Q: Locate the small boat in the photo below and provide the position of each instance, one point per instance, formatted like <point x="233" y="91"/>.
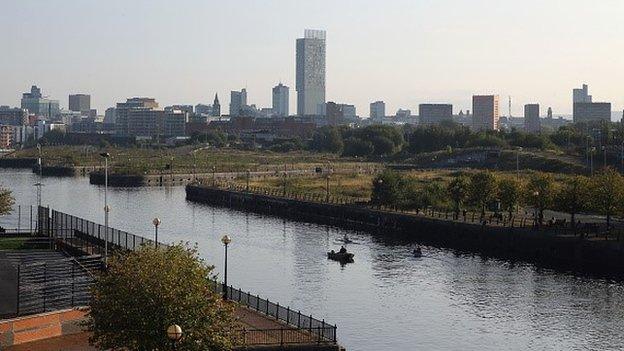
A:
<point x="417" y="252"/>
<point x="346" y="257"/>
<point x="346" y="240"/>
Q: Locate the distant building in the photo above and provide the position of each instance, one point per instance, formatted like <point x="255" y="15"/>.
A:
<point x="80" y="103"/>
<point x="13" y="116"/>
<point x="202" y="109"/>
<point x="216" y="107"/>
<point x="38" y="105"/>
<point x="549" y="114"/>
<point x="532" y="118"/>
<point x="591" y="111"/>
<point x="581" y="95"/>
<point x="348" y="111"/>
<point x="122" y="109"/>
<point x="109" y="116"/>
<point x="184" y="108"/>
<point x="6" y="137"/>
<point x="435" y="113"/>
<point x="377" y="111"/>
<point x="485" y="113"/>
<point x="403" y="114"/>
<point x="238" y="101"/>
<point x="310" y="72"/>
<point x="333" y="113"/>
<point x="280" y="100"/>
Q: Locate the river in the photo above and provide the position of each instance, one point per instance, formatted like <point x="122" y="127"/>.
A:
<point x="387" y="299"/>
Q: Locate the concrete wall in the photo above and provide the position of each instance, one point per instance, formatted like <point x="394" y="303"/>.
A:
<point x="511" y="243"/>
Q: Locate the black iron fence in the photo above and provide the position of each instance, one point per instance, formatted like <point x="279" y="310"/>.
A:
<point x="21" y="220"/>
<point x="283" y="336"/>
<point x="318" y="330"/>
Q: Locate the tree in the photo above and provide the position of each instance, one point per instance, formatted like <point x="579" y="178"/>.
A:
<point x="482" y="190"/>
<point x="145" y="291"/>
<point x="327" y="139"/>
<point x="540" y="193"/>
<point x="6" y="201"/>
<point x="388" y="189"/>
<point x="607" y="193"/>
<point x="509" y="194"/>
<point x="357" y="147"/>
<point x="457" y="190"/>
<point x="573" y="196"/>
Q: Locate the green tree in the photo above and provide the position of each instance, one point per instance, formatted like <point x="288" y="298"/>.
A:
<point x="145" y="291"/>
<point x="388" y="189"/>
<point x="540" y="192"/>
<point x="607" y="193"/>
<point x="483" y="190"/>
<point x="6" y="201"/>
<point x="327" y="139"/>
<point x="457" y="190"/>
<point x="573" y="197"/>
<point x="357" y="147"/>
<point x="509" y="194"/>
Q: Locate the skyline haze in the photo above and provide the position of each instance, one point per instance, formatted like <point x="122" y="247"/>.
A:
<point x="402" y="52"/>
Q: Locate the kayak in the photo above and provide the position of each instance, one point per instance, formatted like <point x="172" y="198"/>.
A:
<point x="340" y="257"/>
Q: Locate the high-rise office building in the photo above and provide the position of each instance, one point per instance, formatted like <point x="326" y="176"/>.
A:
<point x="485" y="114"/>
<point x="280" y="100"/>
<point x="348" y="111"/>
<point x="216" y="106"/>
<point x="532" y="118"/>
<point x="38" y="105"/>
<point x="377" y="111"/>
<point x="122" y="108"/>
<point x="581" y="95"/>
<point x="238" y="102"/>
<point x="591" y="111"/>
<point x="109" y="116"/>
<point x="435" y="113"/>
<point x="310" y="74"/>
<point x="13" y="116"/>
<point x="80" y="103"/>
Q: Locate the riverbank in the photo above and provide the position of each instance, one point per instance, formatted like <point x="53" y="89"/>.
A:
<point x="543" y="247"/>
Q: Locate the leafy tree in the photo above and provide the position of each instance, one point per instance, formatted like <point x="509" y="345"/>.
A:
<point x="509" y="194"/>
<point x="357" y="147"/>
<point x="540" y="193"/>
<point x="432" y="194"/>
<point x="6" y="201"/>
<point x="573" y="197"/>
<point x="482" y="190"/>
<point x="457" y="190"/>
<point x="607" y="193"/>
<point x="145" y="291"/>
<point x="327" y="139"/>
<point x="388" y="189"/>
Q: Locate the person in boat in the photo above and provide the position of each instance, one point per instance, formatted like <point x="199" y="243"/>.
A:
<point x="343" y="250"/>
<point x="417" y="251"/>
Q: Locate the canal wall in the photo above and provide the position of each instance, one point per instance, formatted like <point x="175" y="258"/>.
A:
<point x="17" y="162"/>
<point x="544" y="248"/>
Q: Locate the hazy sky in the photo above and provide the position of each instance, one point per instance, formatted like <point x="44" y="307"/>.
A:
<point x="404" y="52"/>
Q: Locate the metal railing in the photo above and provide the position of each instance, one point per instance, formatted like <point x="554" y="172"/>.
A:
<point x="321" y="331"/>
<point x="21" y="220"/>
<point x="283" y="336"/>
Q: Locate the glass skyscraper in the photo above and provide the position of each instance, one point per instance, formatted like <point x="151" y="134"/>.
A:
<point x="310" y="83"/>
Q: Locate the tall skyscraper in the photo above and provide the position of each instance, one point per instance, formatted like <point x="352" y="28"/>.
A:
<point x="80" y="103"/>
<point x="310" y="80"/>
<point x="485" y="113"/>
<point x="531" y="118"/>
<point x="216" y="106"/>
<point x="280" y="100"/>
<point x="377" y="111"/>
<point x="581" y="95"/>
<point x="38" y="105"/>
<point x="238" y="101"/>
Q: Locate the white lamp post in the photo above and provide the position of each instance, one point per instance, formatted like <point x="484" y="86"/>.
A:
<point x="226" y="241"/>
<point x="174" y="333"/>
<point x="156" y="223"/>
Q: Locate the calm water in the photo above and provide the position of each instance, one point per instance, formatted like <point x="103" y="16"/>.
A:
<point x="386" y="300"/>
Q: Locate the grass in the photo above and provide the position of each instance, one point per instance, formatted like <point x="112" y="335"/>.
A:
<point x="13" y="243"/>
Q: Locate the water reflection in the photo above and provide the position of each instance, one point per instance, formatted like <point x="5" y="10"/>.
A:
<point x="387" y="299"/>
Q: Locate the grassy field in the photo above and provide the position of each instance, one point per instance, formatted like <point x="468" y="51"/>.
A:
<point x="185" y="159"/>
<point x="12" y="243"/>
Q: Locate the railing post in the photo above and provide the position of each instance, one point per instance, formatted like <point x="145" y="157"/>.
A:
<point x="298" y="319"/>
<point x="72" y="284"/>
<point x="267" y="308"/>
<point x="277" y="311"/>
<point x="318" y="331"/>
<point x="335" y="332"/>
<point x="258" y="303"/>
<point x="288" y="315"/>
<point x="17" y="307"/>
<point x="281" y="336"/>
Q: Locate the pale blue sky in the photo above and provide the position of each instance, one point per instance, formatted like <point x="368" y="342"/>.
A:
<point x="404" y="52"/>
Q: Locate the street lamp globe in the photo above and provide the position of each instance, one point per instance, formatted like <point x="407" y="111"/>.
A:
<point x="107" y="208"/>
<point x="226" y="240"/>
<point x="174" y="332"/>
<point x="156" y="222"/>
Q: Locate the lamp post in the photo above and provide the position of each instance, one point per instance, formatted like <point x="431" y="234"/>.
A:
<point x="226" y="241"/>
<point x="156" y="223"/>
<point x="40" y="183"/>
<point x="518" y="163"/>
<point x="591" y="159"/>
<point x="106" y="155"/>
<point x="174" y="333"/>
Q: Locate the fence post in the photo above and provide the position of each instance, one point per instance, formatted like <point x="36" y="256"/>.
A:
<point x="267" y="308"/>
<point x="258" y="303"/>
<point x="288" y="315"/>
<point x="281" y="336"/>
<point x="17" y="308"/>
<point x="298" y="319"/>
<point x="277" y="311"/>
<point x="72" y="285"/>
<point x="318" y="331"/>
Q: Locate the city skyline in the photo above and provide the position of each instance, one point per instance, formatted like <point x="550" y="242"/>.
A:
<point x="418" y="61"/>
